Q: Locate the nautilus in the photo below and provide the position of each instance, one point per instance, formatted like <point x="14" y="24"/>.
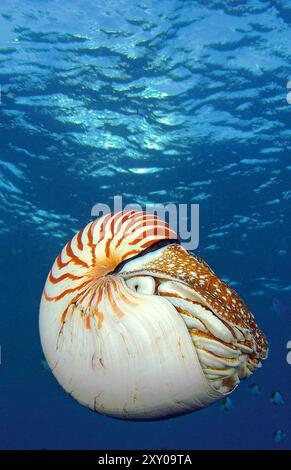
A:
<point x="135" y="327"/>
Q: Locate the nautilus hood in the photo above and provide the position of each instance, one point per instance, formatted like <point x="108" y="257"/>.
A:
<point x="135" y="327"/>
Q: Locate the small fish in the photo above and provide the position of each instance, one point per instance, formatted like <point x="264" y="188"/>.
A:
<point x="277" y="398"/>
<point x="255" y="389"/>
<point x="43" y="364"/>
<point x="279" y="435"/>
<point x="227" y="404"/>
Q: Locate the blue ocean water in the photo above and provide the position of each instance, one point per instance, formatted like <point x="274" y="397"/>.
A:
<point x="171" y="101"/>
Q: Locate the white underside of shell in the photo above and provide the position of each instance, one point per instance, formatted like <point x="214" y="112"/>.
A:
<point x="141" y="364"/>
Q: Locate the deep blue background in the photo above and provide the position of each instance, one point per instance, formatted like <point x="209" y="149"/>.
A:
<point x="160" y="101"/>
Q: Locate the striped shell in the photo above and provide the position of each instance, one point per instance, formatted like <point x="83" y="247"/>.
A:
<point x="134" y="326"/>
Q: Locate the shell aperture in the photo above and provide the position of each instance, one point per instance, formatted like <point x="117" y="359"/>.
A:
<point x="135" y="327"/>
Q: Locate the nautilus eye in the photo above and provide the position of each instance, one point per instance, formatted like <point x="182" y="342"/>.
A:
<point x="142" y="284"/>
<point x="135" y="327"/>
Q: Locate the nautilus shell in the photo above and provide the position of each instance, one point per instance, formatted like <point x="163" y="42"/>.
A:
<point x="135" y="327"/>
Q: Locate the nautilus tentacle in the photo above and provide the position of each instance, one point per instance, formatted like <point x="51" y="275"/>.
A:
<point x="135" y="327"/>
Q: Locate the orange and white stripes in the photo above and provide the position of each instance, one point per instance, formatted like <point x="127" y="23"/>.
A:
<point x="78" y="273"/>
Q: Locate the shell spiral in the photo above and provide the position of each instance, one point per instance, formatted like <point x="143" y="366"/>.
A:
<point x="134" y="326"/>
